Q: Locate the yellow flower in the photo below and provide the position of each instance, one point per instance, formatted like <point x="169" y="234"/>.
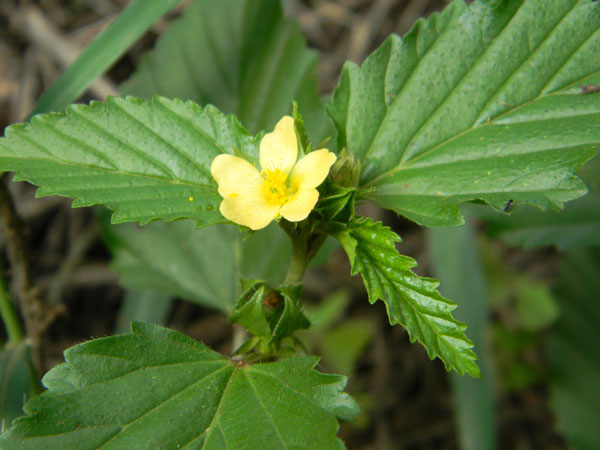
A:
<point x="283" y="187"/>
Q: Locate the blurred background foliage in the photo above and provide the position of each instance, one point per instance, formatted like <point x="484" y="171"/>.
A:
<point x="526" y="283"/>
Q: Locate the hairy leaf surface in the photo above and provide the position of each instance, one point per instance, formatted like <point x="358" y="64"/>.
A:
<point x="240" y="55"/>
<point x="410" y="300"/>
<point x="493" y="101"/>
<point x="158" y="388"/>
<point x="143" y="159"/>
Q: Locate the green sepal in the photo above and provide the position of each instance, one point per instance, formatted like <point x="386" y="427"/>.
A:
<point x="272" y="314"/>
<point x="303" y="140"/>
<point x="346" y="169"/>
<point x="336" y="203"/>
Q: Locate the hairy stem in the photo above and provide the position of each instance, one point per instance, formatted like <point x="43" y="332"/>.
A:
<point x="305" y="246"/>
<point x="299" y="261"/>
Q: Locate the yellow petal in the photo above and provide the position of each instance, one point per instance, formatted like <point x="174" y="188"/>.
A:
<point x="250" y="210"/>
<point x="300" y="205"/>
<point x="279" y="149"/>
<point x="234" y="175"/>
<point x="312" y="169"/>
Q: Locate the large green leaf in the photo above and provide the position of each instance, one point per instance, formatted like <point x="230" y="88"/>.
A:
<point x="410" y="300"/>
<point x="240" y="55"/>
<point x="479" y="102"/>
<point x="156" y="388"/>
<point x="179" y="260"/>
<point x="144" y="159"/>
<point x="578" y="225"/>
<point x="187" y="266"/>
<point x="573" y="351"/>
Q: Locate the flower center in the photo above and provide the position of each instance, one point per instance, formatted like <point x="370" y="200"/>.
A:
<point x="275" y="188"/>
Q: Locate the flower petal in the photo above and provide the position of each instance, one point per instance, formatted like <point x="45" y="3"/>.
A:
<point x="251" y="210"/>
<point x="312" y="169"/>
<point x="300" y="205"/>
<point x="279" y="149"/>
<point x="235" y="176"/>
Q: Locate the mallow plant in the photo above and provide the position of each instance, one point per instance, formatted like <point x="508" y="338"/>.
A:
<point x="223" y="150"/>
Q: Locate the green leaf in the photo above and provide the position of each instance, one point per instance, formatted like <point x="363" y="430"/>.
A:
<point x="478" y="102"/>
<point x="16" y="382"/>
<point x="186" y="267"/>
<point x="410" y="300"/>
<point x="143" y="159"/>
<point x="265" y="254"/>
<point x="179" y="260"/>
<point x="240" y="55"/>
<point x="158" y="388"/>
<point x="578" y="225"/>
<point x="103" y="51"/>
<point x="573" y="351"/>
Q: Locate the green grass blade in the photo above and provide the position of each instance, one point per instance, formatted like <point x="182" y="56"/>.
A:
<point x="102" y="52"/>
<point x="456" y="265"/>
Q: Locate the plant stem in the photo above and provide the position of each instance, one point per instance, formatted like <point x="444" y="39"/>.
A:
<point x="9" y="314"/>
<point x="305" y="246"/>
<point x="30" y="305"/>
<point x="299" y="260"/>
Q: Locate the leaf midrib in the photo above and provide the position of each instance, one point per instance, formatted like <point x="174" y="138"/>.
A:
<point x="112" y="172"/>
<point x="404" y="164"/>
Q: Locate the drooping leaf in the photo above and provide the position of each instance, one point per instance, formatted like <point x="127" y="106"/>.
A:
<point x="572" y="351"/>
<point x="158" y="388"/>
<point x="478" y="102"/>
<point x="200" y="265"/>
<point x="143" y="159"/>
<point x="240" y="55"/>
<point x="578" y="225"/>
<point x="410" y="300"/>
<point x="177" y="259"/>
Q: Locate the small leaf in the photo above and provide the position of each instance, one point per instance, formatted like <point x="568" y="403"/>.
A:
<point x="477" y="102"/>
<point x="242" y="56"/>
<point x="144" y="159"/>
<point x="410" y="300"/>
<point x="158" y="388"/>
